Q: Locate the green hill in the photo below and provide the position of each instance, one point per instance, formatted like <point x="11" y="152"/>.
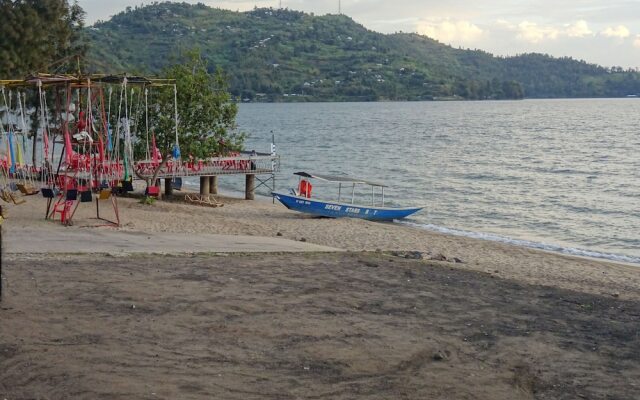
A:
<point x="275" y="55"/>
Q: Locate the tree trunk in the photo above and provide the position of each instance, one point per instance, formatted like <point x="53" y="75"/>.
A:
<point x="154" y="180"/>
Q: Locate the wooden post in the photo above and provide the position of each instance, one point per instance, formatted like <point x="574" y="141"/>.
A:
<point x="204" y="185"/>
<point x="168" y="186"/>
<point x="213" y="184"/>
<point x="249" y="191"/>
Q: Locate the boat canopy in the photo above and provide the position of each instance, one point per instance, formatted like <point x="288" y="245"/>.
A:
<point x="338" y="179"/>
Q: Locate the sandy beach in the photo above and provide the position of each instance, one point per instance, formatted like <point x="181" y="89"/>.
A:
<point x="151" y="155"/>
<point x="262" y="218"/>
<point x="501" y="322"/>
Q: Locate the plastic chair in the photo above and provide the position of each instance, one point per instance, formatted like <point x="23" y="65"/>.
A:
<point x="64" y="209"/>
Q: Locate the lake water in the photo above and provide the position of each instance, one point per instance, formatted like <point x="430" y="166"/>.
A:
<point x="561" y="175"/>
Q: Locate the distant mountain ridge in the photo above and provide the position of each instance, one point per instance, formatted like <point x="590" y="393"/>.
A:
<point x="279" y="54"/>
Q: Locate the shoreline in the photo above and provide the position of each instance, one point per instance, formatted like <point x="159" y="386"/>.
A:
<point x="261" y="218"/>
<point x="434" y="100"/>
<point x="549" y="247"/>
<point x="530" y="244"/>
<point x="578" y="252"/>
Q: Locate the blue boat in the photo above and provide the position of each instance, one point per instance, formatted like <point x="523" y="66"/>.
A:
<point x="300" y="200"/>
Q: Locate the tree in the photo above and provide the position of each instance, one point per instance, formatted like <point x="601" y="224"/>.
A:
<point x="36" y="33"/>
<point x="512" y="90"/>
<point x="206" y="115"/>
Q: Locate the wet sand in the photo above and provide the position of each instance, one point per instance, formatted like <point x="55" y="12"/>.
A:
<point x="293" y="326"/>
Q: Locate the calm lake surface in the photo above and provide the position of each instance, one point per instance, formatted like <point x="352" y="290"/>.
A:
<point x="561" y="175"/>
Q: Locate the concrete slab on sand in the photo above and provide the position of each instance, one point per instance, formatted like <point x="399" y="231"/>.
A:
<point x="93" y="240"/>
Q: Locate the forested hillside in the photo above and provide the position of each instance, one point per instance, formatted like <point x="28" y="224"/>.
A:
<point x="275" y="55"/>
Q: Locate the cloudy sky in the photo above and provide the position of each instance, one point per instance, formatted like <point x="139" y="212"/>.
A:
<point x="605" y="32"/>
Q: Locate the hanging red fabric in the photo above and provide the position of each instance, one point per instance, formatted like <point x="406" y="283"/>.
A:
<point x="67" y="135"/>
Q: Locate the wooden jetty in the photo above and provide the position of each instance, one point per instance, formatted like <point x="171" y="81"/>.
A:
<point x="260" y="167"/>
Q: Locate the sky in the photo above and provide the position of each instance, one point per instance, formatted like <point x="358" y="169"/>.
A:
<point x="605" y="32"/>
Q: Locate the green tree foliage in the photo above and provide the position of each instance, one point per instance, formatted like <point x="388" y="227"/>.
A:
<point x="284" y="55"/>
<point x="206" y="115"/>
<point x="35" y="34"/>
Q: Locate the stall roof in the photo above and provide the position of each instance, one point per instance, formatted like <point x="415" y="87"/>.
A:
<point x="64" y="79"/>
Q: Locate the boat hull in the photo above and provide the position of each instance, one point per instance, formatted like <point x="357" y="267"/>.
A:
<point x="342" y="210"/>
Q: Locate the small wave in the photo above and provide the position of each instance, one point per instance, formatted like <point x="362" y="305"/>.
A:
<point x="527" y="243"/>
<point x="562" y="171"/>
<point x="488" y="177"/>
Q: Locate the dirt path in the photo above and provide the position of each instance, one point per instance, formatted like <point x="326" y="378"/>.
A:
<point x="312" y="326"/>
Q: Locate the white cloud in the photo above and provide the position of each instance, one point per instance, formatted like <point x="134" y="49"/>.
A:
<point x="578" y="29"/>
<point x="619" y="32"/>
<point x="636" y="42"/>
<point x="448" y="31"/>
<point x="502" y="23"/>
<point x="532" y="32"/>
